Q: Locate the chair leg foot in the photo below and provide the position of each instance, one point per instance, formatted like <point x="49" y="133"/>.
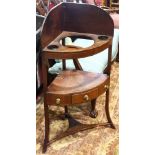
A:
<point x="93" y="112"/>
<point x="112" y="126"/>
<point x="44" y="146"/>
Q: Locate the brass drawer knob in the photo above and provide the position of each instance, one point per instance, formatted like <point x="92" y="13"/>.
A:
<point x="58" y="101"/>
<point x="86" y="98"/>
<point x="106" y="86"/>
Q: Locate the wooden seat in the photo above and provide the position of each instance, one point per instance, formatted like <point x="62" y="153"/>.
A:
<point x="74" y="87"/>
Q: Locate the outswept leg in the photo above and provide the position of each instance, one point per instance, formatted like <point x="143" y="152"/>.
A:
<point x="107" y="109"/>
<point x="47" y="127"/>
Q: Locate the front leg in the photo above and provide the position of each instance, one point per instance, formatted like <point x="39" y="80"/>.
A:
<point x="47" y="126"/>
<point x="93" y="112"/>
<point x="107" y="110"/>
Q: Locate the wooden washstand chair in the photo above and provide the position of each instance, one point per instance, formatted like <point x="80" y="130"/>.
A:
<point x="71" y="87"/>
<point x="96" y="63"/>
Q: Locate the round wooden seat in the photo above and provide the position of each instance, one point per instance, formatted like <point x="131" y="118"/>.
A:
<point x="75" y="86"/>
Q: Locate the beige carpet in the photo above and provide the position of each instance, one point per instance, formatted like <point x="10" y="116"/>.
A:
<point x="97" y="141"/>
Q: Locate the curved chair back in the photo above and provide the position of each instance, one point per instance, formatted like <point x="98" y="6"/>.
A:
<point x="73" y="17"/>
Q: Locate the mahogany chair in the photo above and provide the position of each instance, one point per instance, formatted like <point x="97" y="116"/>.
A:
<point x="72" y="87"/>
<point x="100" y="60"/>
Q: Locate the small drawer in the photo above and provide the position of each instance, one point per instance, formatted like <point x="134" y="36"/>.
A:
<point x="85" y="96"/>
<point x="58" y="99"/>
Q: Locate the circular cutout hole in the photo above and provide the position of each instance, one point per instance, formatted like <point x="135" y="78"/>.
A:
<point x="77" y="41"/>
<point x="52" y="47"/>
<point x="103" y="37"/>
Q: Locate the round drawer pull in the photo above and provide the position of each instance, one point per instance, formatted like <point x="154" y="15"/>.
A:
<point x="106" y="86"/>
<point x="86" y="98"/>
<point x="58" y="101"/>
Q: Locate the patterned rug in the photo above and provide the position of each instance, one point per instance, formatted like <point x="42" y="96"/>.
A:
<point x="97" y="141"/>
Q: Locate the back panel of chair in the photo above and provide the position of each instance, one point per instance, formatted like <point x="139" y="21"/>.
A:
<point x="82" y="18"/>
<point x="52" y="26"/>
<point x="86" y="18"/>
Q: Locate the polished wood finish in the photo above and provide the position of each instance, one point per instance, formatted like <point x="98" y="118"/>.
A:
<point x="72" y="87"/>
<point x="47" y="126"/>
<point x="57" y="51"/>
<point x="75" y="81"/>
<point x="93" y="112"/>
<point x="71" y="17"/>
<point x="64" y="64"/>
<point x="107" y="110"/>
<point x="77" y="64"/>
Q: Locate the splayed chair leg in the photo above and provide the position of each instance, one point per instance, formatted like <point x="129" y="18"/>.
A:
<point x="107" y="110"/>
<point x="93" y="112"/>
<point x="47" y="127"/>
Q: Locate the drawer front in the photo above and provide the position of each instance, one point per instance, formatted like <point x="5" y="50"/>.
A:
<point x="60" y="100"/>
<point x="102" y="88"/>
<point x="84" y="97"/>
